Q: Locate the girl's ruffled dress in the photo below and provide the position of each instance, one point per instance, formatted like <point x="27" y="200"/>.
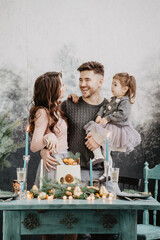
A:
<point x="122" y="136"/>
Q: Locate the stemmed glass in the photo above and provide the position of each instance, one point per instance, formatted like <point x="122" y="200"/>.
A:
<point x="114" y="178"/>
<point x="21" y="176"/>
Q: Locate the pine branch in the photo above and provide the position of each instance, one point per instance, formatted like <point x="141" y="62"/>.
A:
<point x="7" y="145"/>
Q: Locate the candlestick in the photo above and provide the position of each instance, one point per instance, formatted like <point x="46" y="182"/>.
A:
<point x="41" y="174"/>
<point x="91" y="174"/>
<point x="26" y="160"/>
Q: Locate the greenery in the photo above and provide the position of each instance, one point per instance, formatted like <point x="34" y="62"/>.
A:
<point x="74" y="156"/>
<point x="59" y="190"/>
<point x="7" y="145"/>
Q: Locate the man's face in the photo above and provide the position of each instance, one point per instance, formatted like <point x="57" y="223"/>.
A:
<point x="89" y="83"/>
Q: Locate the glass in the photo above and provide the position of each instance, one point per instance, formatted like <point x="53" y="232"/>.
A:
<point x="26" y="161"/>
<point x="114" y="177"/>
<point x="21" y="176"/>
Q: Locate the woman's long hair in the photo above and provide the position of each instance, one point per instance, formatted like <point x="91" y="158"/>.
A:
<point x="47" y="90"/>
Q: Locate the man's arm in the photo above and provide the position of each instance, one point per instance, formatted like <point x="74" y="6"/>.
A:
<point x="48" y="160"/>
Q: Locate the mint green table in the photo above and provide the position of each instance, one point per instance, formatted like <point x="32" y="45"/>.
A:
<point x="29" y="217"/>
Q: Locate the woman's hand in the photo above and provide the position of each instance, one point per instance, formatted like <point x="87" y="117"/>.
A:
<point x="91" y="144"/>
<point x="51" y="142"/>
<point x="98" y="119"/>
<point x="73" y="97"/>
<point x="48" y="160"/>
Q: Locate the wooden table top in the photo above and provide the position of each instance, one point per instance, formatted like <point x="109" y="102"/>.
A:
<point x="35" y="204"/>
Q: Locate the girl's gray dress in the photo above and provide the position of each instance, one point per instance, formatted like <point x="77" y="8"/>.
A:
<point x="121" y="134"/>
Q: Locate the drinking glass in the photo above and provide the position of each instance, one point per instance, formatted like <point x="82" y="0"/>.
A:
<point x="114" y="177"/>
<point x="21" y="176"/>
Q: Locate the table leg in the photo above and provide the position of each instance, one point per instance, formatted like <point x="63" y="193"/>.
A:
<point x="11" y="225"/>
<point x="128" y="225"/>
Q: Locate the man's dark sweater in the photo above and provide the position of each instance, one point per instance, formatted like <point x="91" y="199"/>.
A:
<point x="78" y="115"/>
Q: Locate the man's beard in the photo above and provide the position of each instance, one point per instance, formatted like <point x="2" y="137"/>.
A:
<point x="88" y="93"/>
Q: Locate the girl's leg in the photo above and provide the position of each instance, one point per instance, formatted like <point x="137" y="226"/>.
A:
<point x="98" y="157"/>
<point x="106" y="168"/>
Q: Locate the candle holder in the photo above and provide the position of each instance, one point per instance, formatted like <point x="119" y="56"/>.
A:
<point x="26" y="161"/>
<point x="106" y="171"/>
<point x="16" y="186"/>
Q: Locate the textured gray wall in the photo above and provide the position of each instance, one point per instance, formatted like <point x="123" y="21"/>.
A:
<point x="38" y="36"/>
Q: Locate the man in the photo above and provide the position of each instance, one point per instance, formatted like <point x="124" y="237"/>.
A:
<point x="90" y="82"/>
<point x="78" y="115"/>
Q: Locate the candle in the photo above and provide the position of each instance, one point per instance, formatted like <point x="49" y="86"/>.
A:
<point x="70" y="197"/>
<point x="103" y="196"/>
<point x="107" y="153"/>
<point x="26" y="143"/>
<point x="50" y="197"/>
<point x="41" y="174"/>
<point x="92" y="196"/>
<point x="91" y="174"/>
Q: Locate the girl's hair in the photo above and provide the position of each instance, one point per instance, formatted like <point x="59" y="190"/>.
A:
<point x="129" y="81"/>
<point x="47" y="90"/>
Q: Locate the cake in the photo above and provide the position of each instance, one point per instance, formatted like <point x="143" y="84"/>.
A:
<point x="69" y="172"/>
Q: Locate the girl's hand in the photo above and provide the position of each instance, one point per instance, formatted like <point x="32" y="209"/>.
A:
<point x="104" y="122"/>
<point x="98" y="119"/>
<point x="51" y="142"/>
<point x="73" y="97"/>
<point x="48" y="160"/>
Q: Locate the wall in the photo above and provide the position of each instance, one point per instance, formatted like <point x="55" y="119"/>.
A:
<point x="39" y="36"/>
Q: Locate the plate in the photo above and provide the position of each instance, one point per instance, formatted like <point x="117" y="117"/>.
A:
<point x="134" y="194"/>
<point x="6" y="194"/>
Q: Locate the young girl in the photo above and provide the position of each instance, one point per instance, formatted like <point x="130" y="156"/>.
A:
<point x="112" y="119"/>
<point x="48" y="125"/>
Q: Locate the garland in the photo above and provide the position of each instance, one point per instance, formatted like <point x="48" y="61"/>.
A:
<point x="73" y="191"/>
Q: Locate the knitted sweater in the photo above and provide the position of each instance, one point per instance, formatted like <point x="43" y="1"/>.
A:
<point x="78" y="115"/>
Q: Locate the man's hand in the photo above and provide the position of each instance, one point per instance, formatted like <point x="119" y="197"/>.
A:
<point x="73" y="97"/>
<point x="98" y="119"/>
<point x="91" y="144"/>
<point x="104" y="122"/>
<point x="48" y="160"/>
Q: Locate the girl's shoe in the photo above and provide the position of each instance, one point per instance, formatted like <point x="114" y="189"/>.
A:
<point x="97" y="160"/>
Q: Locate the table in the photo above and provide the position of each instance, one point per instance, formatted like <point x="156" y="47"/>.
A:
<point x="58" y="216"/>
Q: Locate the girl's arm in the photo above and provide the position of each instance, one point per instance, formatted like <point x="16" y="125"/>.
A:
<point x="121" y="114"/>
<point x="41" y="124"/>
<point x="101" y="111"/>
